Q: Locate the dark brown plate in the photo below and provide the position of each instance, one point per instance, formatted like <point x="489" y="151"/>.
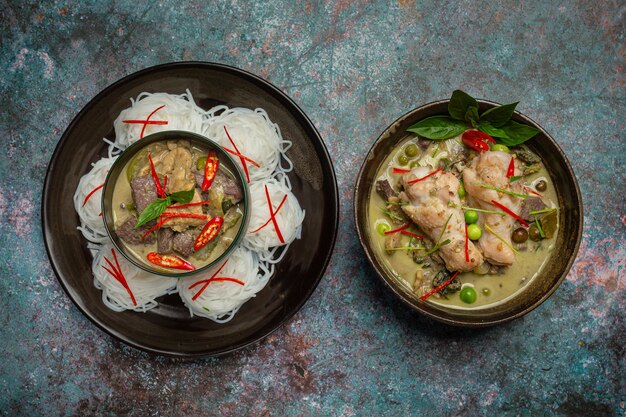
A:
<point x="567" y="239"/>
<point x="168" y="329"/>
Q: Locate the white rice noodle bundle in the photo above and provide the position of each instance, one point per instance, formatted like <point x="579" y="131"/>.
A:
<point x="91" y="223"/>
<point x="256" y="137"/>
<point x="146" y="287"/>
<point x="180" y="112"/>
<point x="289" y="218"/>
<point x="220" y="300"/>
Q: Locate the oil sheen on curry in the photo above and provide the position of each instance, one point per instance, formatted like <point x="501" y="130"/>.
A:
<point x="480" y="218"/>
<point x="177" y="207"/>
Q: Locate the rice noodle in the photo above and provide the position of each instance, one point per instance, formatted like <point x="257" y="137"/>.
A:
<point x="256" y="137"/>
<point x="289" y="218"/>
<point x="220" y="300"/>
<point x="180" y="112"/>
<point x="146" y="287"/>
<point x="91" y="223"/>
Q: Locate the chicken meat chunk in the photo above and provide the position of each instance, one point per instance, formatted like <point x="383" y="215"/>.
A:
<point x="429" y="207"/>
<point x="489" y="169"/>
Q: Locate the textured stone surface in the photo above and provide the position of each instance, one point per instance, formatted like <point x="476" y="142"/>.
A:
<point x="354" y="67"/>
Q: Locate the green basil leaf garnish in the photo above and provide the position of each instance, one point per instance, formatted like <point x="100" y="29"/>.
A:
<point x="183" y="197"/>
<point x="438" y="127"/>
<point x="463" y="110"/>
<point x="471" y="116"/>
<point x="498" y="116"/>
<point x="488" y="128"/>
<point x="516" y="133"/>
<point x="153" y="210"/>
<point x="460" y="102"/>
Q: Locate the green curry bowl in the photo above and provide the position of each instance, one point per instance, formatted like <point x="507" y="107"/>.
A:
<point x="175" y="204"/>
<point x="474" y="275"/>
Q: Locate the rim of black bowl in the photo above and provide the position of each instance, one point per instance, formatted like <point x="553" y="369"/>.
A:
<point x="418" y="305"/>
<point x="281" y="96"/>
<point x="123" y="158"/>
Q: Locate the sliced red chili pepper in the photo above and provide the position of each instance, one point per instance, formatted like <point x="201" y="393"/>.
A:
<point x="200" y="203"/>
<point x="116" y="272"/>
<point x="477" y="140"/>
<point x="511" y="171"/>
<point x="252" y="161"/>
<point x="424" y="177"/>
<point x="477" y="134"/>
<point x="155" y="177"/>
<point x="396" y="170"/>
<point x="210" y="169"/>
<point x="530" y="190"/>
<point x="184" y="215"/>
<point x="407" y="233"/>
<point x="148" y="121"/>
<point x="156" y="226"/>
<point x="270" y="219"/>
<point x="509" y="212"/>
<point x="476" y="144"/>
<point x="399" y="229"/>
<point x="241" y="157"/>
<point x="466" y="245"/>
<point x="273" y="216"/>
<point x="439" y="288"/>
<point x="208" y="233"/>
<point x="88" y="196"/>
<point x="206" y="282"/>
<point x="170" y="261"/>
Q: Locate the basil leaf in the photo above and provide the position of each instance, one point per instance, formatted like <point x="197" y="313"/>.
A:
<point x="183" y="197"/>
<point x="516" y="133"/>
<point x="460" y="102"/>
<point x="471" y="116"/>
<point x="488" y="128"/>
<point x="499" y="115"/>
<point x="438" y="127"/>
<point x="152" y="211"/>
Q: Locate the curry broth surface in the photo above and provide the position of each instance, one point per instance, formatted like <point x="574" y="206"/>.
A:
<point x="528" y="264"/>
<point x="122" y="195"/>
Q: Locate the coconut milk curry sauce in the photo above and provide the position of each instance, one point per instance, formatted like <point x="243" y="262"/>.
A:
<point x="428" y="192"/>
<point x="179" y="223"/>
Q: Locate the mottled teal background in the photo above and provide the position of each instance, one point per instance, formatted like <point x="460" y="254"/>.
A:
<point x="353" y="66"/>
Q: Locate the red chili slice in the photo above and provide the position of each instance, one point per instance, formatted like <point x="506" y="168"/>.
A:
<point x="159" y="189"/>
<point x="210" y="169"/>
<point x="425" y="176"/>
<point x="477" y="140"/>
<point x="208" y="233"/>
<point x="439" y="288"/>
<point x="510" y="212"/>
<point x="170" y="261"/>
<point x="91" y="193"/>
<point x="511" y="171"/>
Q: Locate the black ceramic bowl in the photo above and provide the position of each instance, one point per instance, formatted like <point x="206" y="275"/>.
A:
<point x="168" y="328"/>
<point x="537" y="290"/>
<point x="118" y="168"/>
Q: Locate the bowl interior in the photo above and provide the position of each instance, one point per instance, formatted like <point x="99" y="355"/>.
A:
<point x="537" y="290"/>
<point x="118" y="168"/>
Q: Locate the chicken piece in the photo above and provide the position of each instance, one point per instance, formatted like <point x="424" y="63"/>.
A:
<point x="429" y="209"/>
<point x="490" y="168"/>
<point x="180" y="224"/>
<point x="176" y="164"/>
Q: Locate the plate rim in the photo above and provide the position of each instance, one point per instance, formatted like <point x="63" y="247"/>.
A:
<point x="61" y="144"/>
